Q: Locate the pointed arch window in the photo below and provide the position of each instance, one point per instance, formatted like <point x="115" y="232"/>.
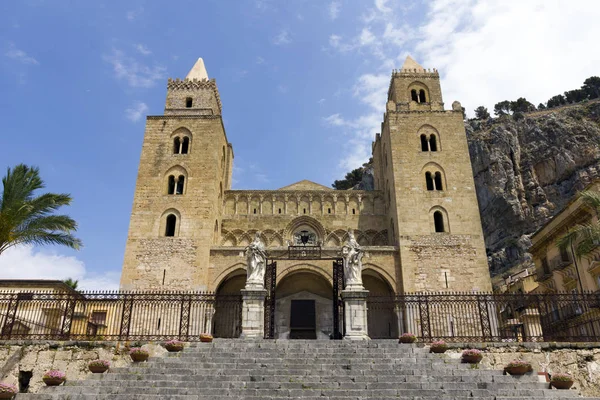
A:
<point x="180" y="184"/>
<point x="432" y="143"/>
<point x="429" y="181"/>
<point x="437" y="180"/>
<point x="438" y="221"/>
<point x="171" y="185"/>
<point x="424" y="144"/>
<point x="414" y="96"/>
<point x="176" y="145"/>
<point x="185" y="145"/>
<point x="422" y="97"/>
<point x="170" y="225"/>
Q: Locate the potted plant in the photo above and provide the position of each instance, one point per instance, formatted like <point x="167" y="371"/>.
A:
<point x="407" y="338"/>
<point x="561" y="381"/>
<point x="471" y="356"/>
<point x="99" y="366"/>
<point x="518" y="367"/>
<point x="7" y="391"/>
<point x="174" y="345"/>
<point x="206" y="337"/>
<point x="438" y="346"/>
<point x="138" y="354"/>
<point x="54" y="377"/>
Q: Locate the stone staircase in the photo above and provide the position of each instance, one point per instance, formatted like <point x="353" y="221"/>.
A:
<point x="307" y="370"/>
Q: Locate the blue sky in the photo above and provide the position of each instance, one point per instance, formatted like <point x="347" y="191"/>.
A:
<point x="303" y="85"/>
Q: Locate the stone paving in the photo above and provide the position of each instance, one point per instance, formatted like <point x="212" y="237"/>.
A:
<point x="307" y="370"/>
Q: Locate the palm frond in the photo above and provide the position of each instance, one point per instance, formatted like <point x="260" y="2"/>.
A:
<point x="584" y="238"/>
<point x="592" y="199"/>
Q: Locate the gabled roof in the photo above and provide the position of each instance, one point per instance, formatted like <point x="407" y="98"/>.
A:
<point x="305" y="185"/>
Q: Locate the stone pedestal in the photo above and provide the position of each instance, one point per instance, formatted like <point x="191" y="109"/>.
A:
<point x="253" y="313"/>
<point x="355" y="314"/>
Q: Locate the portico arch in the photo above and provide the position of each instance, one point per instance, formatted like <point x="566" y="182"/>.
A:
<point x="227" y="310"/>
<point x="382" y="317"/>
<point x="304" y="305"/>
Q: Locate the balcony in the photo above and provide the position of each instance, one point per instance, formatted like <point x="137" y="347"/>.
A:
<point x="543" y="274"/>
<point x="560" y="263"/>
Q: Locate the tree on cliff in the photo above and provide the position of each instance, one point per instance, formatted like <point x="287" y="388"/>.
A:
<point x="502" y="108"/>
<point x="521" y="105"/>
<point x="556" y="101"/>
<point x="29" y="219"/>
<point x="591" y="86"/>
<point x="482" y="113"/>
<point x="352" y="178"/>
<point x="584" y="238"/>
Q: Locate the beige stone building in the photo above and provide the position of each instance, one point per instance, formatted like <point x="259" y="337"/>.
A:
<point x="420" y="226"/>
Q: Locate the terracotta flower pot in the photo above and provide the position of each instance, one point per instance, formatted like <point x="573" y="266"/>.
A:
<point x="6" y="395"/>
<point x="562" y="384"/>
<point x="438" y="350"/>
<point x="471" y="359"/>
<point x="98" y="369"/>
<point x="518" y="370"/>
<point x="407" y="339"/>
<point x="172" y="348"/>
<point x="53" y="381"/>
<point x="206" y="338"/>
<point x="138" y="357"/>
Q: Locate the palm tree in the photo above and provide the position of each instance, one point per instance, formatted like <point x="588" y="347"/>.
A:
<point x="584" y="238"/>
<point x="72" y="283"/>
<point x="29" y="219"/>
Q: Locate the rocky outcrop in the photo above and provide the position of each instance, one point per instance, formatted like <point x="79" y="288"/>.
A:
<point x="526" y="169"/>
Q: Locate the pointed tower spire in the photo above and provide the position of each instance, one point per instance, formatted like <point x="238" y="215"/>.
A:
<point x="410" y="63"/>
<point x="198" y="71"/>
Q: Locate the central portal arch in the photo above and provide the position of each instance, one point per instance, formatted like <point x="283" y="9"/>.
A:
<point x="304" y="304"/>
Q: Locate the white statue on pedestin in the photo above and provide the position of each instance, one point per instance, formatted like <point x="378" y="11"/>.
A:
<point x="256" y="259"/>
<point x="353" y="254"/>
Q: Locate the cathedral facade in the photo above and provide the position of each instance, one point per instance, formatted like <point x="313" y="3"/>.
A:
<point x="420" y="226"/>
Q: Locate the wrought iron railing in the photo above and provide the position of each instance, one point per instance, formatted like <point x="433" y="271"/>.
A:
<point x="126" y="315"/>
<point x="468" y="317"/>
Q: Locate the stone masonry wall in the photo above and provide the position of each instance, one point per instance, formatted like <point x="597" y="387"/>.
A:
<point x="69" y="357"/>
<point x="581" y="360"/>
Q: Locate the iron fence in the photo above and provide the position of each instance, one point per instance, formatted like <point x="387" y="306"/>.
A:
<point x="118" y="315"/>
<point x="468" y="317"/>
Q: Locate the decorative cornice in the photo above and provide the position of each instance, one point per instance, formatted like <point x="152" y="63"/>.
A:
<point x="183" y="117"/>
<point x="308" y="192"/>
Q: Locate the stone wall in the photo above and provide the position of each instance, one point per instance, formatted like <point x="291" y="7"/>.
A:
<point x="581" y="360"/>
<point x="71" y="357"/>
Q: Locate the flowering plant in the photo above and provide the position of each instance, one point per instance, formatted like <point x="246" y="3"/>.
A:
<point x="174" y="343"/>
<point x="561" y="377"/>
<point x="471" y="353"/>
<point x="139" y="350"/>
<point x="99" y="363"/>
<point x="518" y="363"/>
<point x="6" y="388"/>
<point x="407" y="338"/>
<point x="439" y="346"/>
<point x="439" y="343"/>
<point x="55" y="374"/>
<point x="206" y="335"/>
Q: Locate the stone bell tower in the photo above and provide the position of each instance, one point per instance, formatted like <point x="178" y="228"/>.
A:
<point x="185" y="167"/>
<point x="422" y="164"/>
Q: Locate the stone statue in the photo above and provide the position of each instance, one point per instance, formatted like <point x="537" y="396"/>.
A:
<point x="256" y="258"/>
<point x="353" y="254"/>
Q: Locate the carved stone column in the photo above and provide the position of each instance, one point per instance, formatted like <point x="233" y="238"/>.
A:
<point x="253" y="313"/>
<point x="355" y="314"/>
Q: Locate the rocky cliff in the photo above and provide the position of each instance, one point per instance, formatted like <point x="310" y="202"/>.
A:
<point x="526" y="169"/>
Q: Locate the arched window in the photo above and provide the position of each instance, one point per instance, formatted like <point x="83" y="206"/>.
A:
<point x="414" y="96"/>
<point x="170" y="225"/>
<point x="280" y="211"/>
<point x="424" y="145"/>
<point x="185" y="145"/>
<point x="188" y="102"/>
<point x="171" y="186"/>
<point x="329" y="211"/>
<point x="438" y="221"/>
<point x="422" y="98"/>
<point x="438" y="181"/>
<point x="180" y="183"/>
<point x="432" y="142"/>
<point x="429" y="181"/>
<point x="176" y="145"/>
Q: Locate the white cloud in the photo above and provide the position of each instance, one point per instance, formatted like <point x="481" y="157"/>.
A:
<point x="133" y="14"/>
<point x="143" y="49"/>
<point x="132" y="71"/>
<point x="136" y="111"/>
<point x="366" y="37"/>
<point x="20" y="55"/>
<point x="334" y="9"/>
<point x="23" y="262"/>
<point x="282" y="38"/>
<point x="382" y="6"/>
<point x="260" y="60"/>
